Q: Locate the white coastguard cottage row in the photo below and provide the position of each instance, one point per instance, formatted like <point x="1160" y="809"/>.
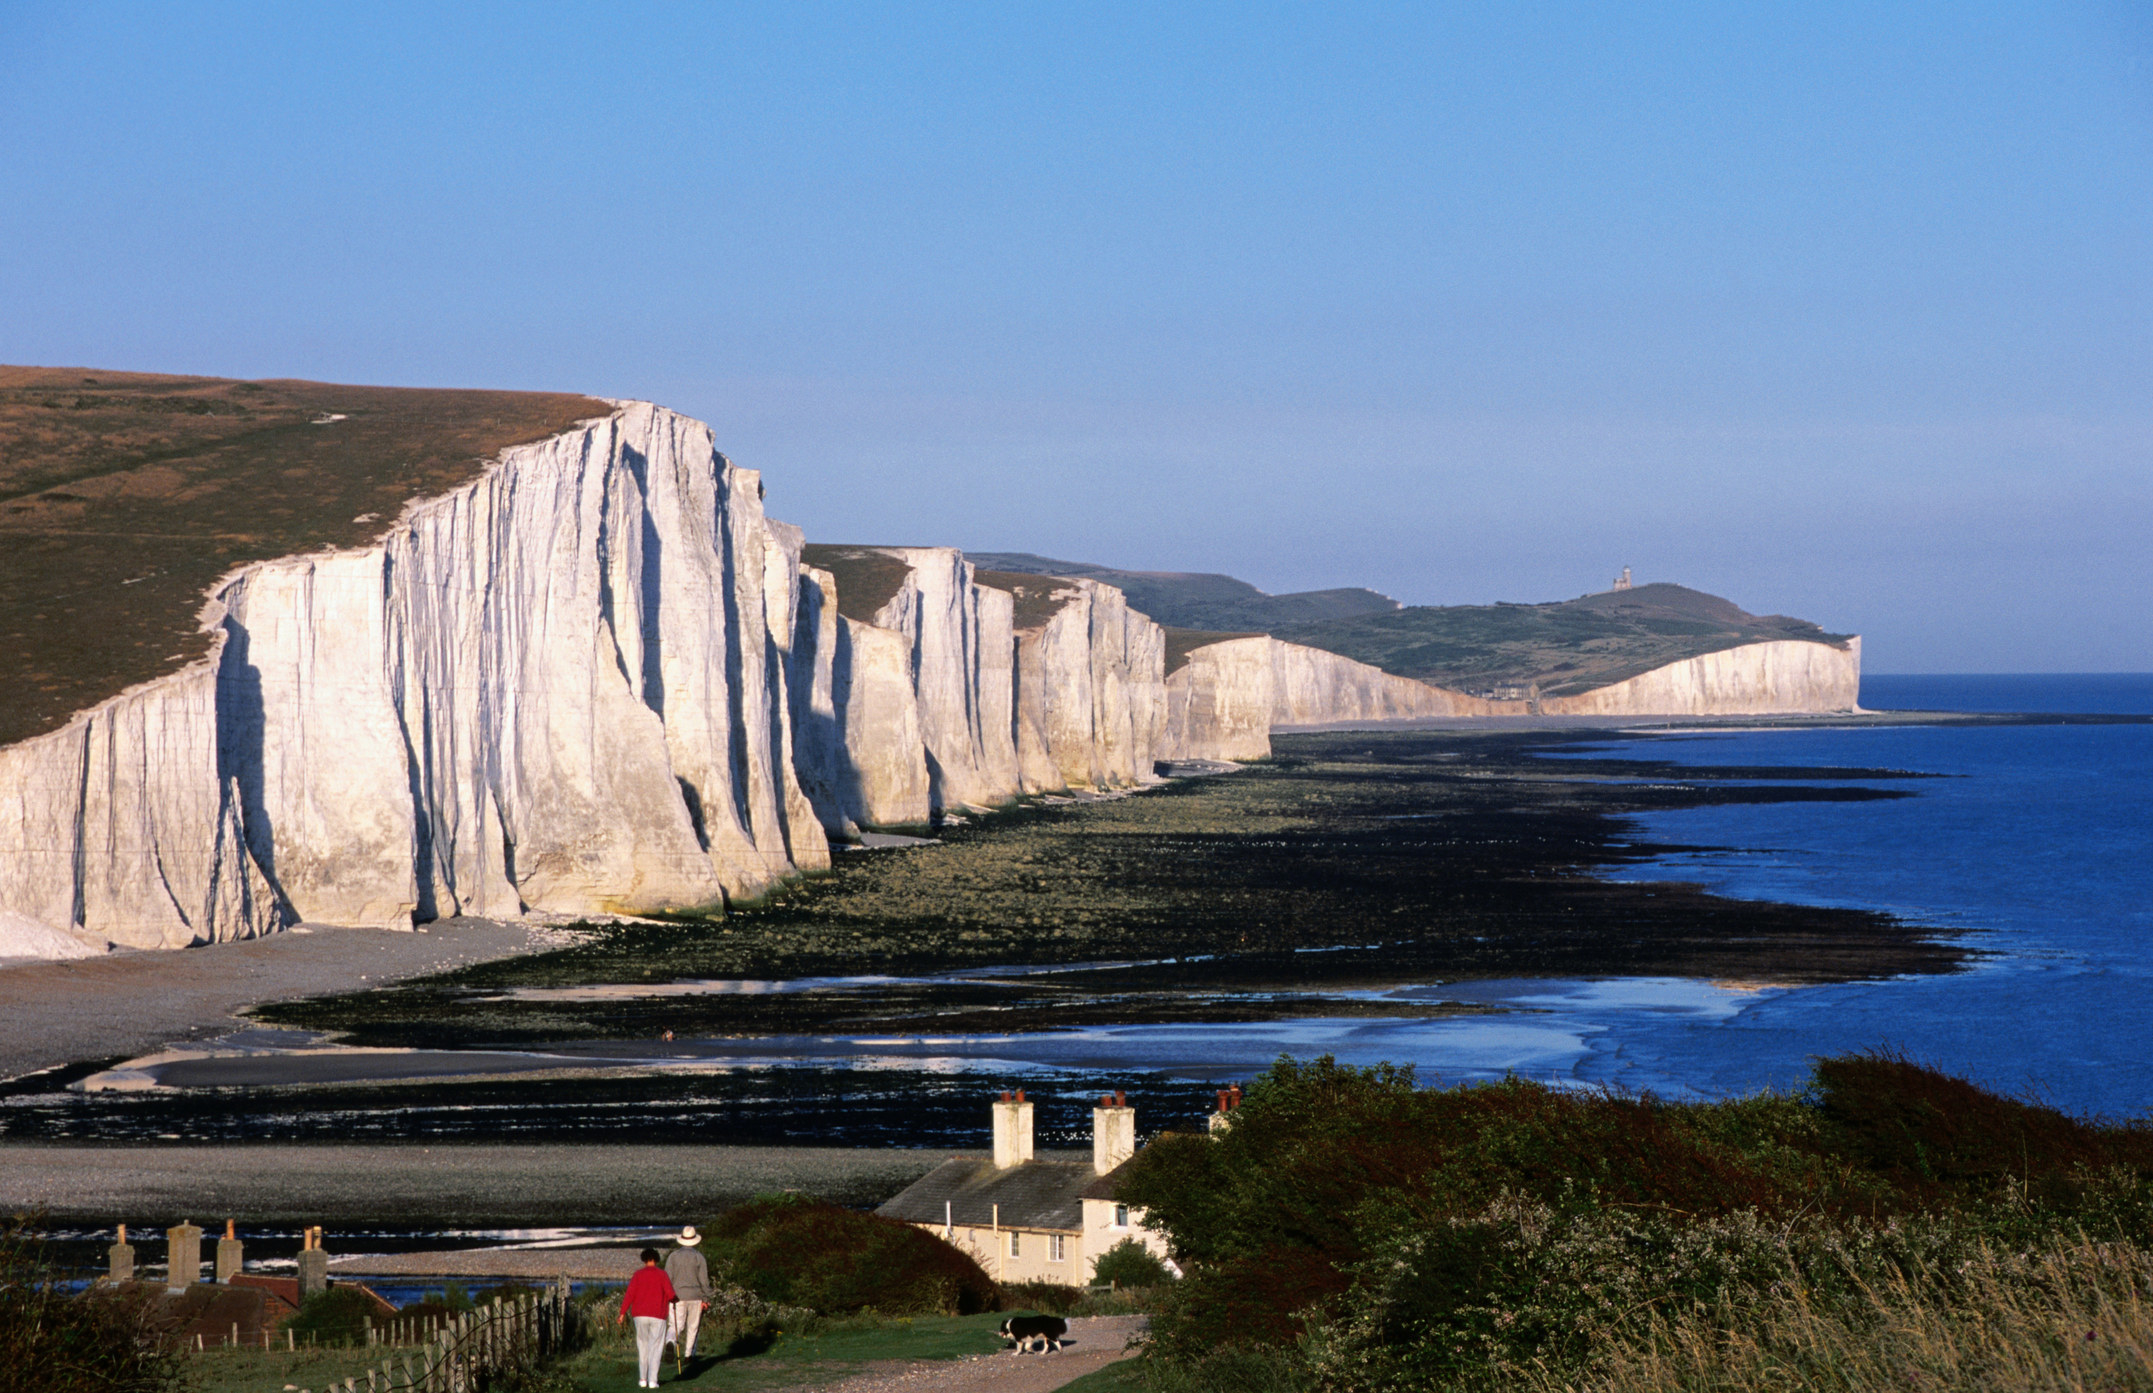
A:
<point x="1023" y="1219"/>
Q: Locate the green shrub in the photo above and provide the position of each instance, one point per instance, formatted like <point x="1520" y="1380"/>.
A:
<point x="792" y="1251"/>
<point x="335" y="1316"/>
<point x="1388" y="1236"/>
<point x="1234" y="1369"/>
<point x="1042" y="1297"/>
<point x="99" y="1342"/>
<point x="1130" y="1264"/>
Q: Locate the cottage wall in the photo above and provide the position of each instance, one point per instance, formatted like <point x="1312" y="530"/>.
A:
<point x="1034" y="1261"/>
<point x="1101" y="1232"/>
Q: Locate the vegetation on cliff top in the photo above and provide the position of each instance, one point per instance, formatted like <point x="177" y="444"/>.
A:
<point x="1197" y="600"/>
<point x="125" y="496"/>
<point x="1565" y="648"/>
<point x="1352" y="1231"/>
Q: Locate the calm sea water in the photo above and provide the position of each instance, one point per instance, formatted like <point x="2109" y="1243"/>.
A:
<point x="2038" y="849"/>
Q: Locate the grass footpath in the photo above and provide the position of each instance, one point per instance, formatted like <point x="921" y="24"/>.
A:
<point x="826" y="1352"/>
<point x="266" y="1371"/>
<point x="829" y="1350"/>
<point x="1123" y="1376"/>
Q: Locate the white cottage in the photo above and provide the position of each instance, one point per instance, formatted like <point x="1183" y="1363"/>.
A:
<point x="1024" y="1219"/>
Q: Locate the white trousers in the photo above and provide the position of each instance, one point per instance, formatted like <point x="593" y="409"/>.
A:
<point x="649" y="1349"/>
<point x="682" y="1322"/>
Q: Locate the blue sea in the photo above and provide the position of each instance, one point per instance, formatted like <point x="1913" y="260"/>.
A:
<point x="2036" y="849"/>
<point x="2030" y="844"/>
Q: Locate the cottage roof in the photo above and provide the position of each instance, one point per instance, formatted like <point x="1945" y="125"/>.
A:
<point x="1034" y="1195"/>
<point x="1102" y="1187"/>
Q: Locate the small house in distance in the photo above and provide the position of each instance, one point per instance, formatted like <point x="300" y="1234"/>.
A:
<point x="1027" y="1220"/>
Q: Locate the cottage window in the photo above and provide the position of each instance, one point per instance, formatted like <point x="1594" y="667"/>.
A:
<point x="1015" y="1243"/>
<point x="1121" y="1216"/>
<point x="1057" y="1250"/>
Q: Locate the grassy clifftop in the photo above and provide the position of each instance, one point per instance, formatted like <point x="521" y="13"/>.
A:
<point x="1197" y="600"/>
<point x="1567" y="647"/>
<point x="1564" y="648"/>
<point x="124" y="496"/>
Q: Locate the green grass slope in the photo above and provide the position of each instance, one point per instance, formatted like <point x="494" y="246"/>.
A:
<point x="1195" y="600"/>
<point x="1566" y="647"/>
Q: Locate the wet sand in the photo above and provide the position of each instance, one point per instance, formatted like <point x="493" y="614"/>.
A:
<point x="125" y="1004"/>
<point x="355" y="1186"/>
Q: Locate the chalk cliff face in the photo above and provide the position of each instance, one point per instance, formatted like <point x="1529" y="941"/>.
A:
<point x="560" y="688"/>
<point x="1311" y="686"/>
<point x="958" y="634"/>
<point x="1755" y="679"/>
<point x="940" y="701"/>
<point x="1090" y="692"/>
<point x="1224" y="701"/>
<point x="862" y="760"/>
<point x="597" y="678"/>
<point x="1218" y="703"/>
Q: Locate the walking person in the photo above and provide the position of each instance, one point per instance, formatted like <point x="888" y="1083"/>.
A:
<point x="690" y="1276"/>
<point x="648" y="1299"/>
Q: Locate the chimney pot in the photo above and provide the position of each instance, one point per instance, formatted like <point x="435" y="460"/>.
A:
<point x="1113" y="1133"/>
<point x="1012" y="1131"/>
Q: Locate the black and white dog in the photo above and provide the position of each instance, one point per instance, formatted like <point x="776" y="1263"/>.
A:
<point x="1045" y="1332"/>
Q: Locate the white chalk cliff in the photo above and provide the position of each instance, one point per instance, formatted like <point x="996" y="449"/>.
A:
<point x="599" y="679"/>
<point x="559" y="688"/>
<point x="1223" y="702"/>
<point x="1755" y="679"/>
<point x="938" y="701"/>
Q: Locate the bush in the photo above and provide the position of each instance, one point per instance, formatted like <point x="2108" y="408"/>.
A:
<point x="2069" y="1316"/>
<point x="99" y="1342"/>
<point x="1387" y="1236"/>
<point x="456" y="1300"/>
<point x="1130" y="1264"/>
<point x="1042" y="1297"/>
<point x="335" y="1316"/>
<point x="792" y="1251"/>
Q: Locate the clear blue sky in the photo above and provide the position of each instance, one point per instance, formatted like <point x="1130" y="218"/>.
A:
<point x="1841" y="311"/>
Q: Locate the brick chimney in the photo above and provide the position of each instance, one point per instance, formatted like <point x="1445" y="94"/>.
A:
<point x="1229" y="1100"/>
<point x="1012" y="1131"/>
<point x="1113" y="1131"/>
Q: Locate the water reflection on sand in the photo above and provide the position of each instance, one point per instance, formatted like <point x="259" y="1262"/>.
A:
<point x="1543" y="1029"/>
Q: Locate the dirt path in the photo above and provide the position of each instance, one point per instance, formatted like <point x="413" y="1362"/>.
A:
<point x="1094" y="1342"/>
<point x="357" y="1187"/>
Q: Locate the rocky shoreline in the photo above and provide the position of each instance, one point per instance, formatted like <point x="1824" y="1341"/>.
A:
<point x="1350" y="877"/>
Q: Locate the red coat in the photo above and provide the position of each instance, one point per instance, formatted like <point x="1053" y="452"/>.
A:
<point x="650" y="1293"/>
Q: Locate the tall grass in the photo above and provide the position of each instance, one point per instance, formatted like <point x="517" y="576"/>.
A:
<point x="55" y="1341"/>
<point x="1887" y="1227"/>
<point x="2065" y="1319"/>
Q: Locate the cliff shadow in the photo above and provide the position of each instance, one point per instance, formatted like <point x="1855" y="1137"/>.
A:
<point x="241" y="725"/>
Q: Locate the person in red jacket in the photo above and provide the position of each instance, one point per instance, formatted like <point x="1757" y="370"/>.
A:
<point x="649" y="1296"/>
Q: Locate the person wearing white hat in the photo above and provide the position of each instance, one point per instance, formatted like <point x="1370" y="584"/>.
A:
<point x="691" y="1288"/>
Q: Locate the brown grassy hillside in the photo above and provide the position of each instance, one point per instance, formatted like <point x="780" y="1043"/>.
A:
<point x="124" y="496"/>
